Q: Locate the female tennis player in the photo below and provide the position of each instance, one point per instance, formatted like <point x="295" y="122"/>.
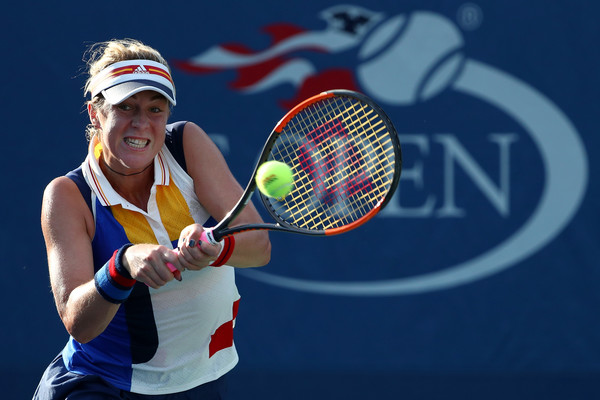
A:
<point x="149" y="307"/>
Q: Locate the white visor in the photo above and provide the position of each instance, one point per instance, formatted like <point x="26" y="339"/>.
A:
<point x="121" y="80"/>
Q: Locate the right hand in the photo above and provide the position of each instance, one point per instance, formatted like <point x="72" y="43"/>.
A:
<point x="147" y="263"/>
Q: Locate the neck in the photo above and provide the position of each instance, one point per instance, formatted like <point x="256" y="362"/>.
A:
<point x="130" y="174"/>
<point x="134" y="187"/>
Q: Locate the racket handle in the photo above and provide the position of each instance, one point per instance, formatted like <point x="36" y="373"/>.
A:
<point x="208" y="237"/>
<point x="175" y="271"/>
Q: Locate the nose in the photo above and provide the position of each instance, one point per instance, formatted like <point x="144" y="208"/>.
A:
<point x="140" y="120"/>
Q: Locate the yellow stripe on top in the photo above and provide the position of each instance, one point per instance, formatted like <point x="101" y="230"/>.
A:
<point x="174" y="210"/>
<point x="174" y="214"/>
<point x="136" y="226"/>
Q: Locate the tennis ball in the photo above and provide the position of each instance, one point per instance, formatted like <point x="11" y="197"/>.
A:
<point x="275" y="179"/>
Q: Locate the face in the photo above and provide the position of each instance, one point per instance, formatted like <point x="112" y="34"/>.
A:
<point x="132" y="132"/>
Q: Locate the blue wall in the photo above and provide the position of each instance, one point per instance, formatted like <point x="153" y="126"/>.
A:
<point x="480" y="280"/>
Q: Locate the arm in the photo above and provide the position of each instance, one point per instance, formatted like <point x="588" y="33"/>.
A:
<point x="68" y="227"/>
<point x="218" y="191"/>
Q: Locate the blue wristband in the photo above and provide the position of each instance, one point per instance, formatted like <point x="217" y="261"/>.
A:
<point x="110" y="280"/>
<point x="118" y="261"/>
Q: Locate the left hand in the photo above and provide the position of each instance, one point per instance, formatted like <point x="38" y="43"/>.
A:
<point x="195" y="254"/>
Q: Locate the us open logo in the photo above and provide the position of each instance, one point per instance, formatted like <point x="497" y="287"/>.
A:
<point x="409" y="60"/>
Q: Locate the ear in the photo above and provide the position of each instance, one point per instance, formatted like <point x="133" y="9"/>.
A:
<point x="93" y="114"/>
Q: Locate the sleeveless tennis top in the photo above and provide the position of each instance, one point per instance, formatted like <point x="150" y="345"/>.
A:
<point x="162" y="340"/>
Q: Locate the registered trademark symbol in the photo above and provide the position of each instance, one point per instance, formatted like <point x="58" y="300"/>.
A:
<point x="469" y="16"/>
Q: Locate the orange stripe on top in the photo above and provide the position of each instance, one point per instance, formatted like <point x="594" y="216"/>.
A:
<point x="158" y="71"/>
<point x="132" y="70"/>
<point x="174" y="210"/>
<point x="163" y="169"/>
<point x="121" y="71"/>
<point x="97" y="185"/>
<point x="97" y="154"/>
<point x="174" y="214"/>
<point x="136" y="226"/>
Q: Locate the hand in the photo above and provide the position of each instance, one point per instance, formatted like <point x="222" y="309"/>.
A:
<point x="148" y="263"/>
<point x="195" y="254"/>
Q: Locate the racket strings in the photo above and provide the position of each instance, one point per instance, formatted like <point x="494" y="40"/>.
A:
<point x="343" y="160"/>
<point x="343" y="171"/>
<point x="350" y="121"/>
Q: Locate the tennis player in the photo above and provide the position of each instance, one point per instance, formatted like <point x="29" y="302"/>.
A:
<point x="150" y="309"/>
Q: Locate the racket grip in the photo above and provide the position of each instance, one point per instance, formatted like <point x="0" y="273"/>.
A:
<point x="175" y="271"/>
<point x="208" y="237"/>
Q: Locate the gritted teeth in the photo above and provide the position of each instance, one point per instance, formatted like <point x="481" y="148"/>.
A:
<point x="137" y="143"/>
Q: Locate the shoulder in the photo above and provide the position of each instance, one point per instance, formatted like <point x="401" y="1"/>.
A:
<point x="193" y="129"/>
<point x="183" y="134"/>
<point x="62" y="201"/>
<point x="62" y="194"/>
<point x="183" y="128"/>
<point x="59" y="188"/>
<point x="200" y="150"/>
<point x="196" y="138"/>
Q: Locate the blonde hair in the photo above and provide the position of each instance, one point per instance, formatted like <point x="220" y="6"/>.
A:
<point x="101" y="55"/>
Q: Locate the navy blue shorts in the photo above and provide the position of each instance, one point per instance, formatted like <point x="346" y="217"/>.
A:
<point x="59" y="383"/>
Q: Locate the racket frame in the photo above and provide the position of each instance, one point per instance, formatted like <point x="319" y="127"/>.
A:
<point x="221" y="230"/>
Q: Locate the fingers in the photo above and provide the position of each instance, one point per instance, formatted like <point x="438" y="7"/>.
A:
<point x="154" y="265"/>
<point x="194" y="252"/>
<point x="197" y="254"/>
<point x="175" y="266"/>
<point x="158" y="275"/>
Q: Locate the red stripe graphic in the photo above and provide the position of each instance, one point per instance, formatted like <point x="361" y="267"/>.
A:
<point x="121" y="71"/>
<point x="223" y="336"/>
<point x="97" y="185"/>
<point x="131" y="69"/>
<point x="158" y="71"/>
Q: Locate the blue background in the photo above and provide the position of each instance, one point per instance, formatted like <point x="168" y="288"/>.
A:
<point x="529" y="331"/>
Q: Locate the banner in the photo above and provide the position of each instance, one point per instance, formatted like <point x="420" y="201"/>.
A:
<point x="480" y="278"/>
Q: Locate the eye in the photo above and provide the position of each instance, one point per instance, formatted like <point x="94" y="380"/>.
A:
<point x="124" y="106"/>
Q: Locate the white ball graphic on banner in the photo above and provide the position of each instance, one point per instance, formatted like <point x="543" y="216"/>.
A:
<point x="410" y="59"/>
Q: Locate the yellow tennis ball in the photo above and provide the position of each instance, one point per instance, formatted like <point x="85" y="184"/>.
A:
<point x="275" y="179"/>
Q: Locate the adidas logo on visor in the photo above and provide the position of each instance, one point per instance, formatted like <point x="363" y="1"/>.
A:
<point x="140" y="70"/>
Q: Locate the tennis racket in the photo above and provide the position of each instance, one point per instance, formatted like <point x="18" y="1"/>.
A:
<point x="346" y="159"/>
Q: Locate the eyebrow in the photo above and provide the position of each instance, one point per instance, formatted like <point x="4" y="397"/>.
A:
<point x="157" y="96"/>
